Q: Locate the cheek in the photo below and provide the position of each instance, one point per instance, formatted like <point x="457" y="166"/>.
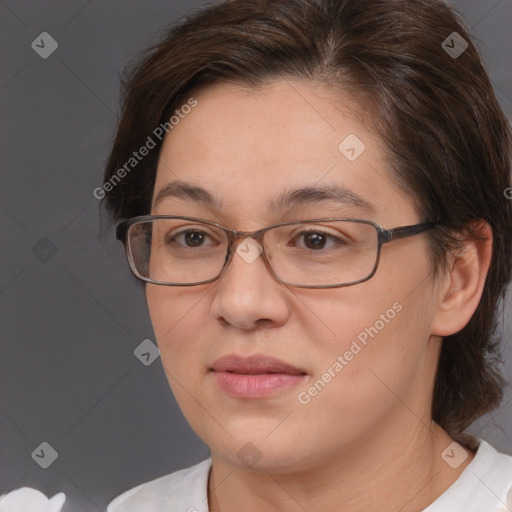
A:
<point x="369" y="331"/>
<point x="362" y="335"/>
<point x="176" y="319"/>
<point x="359" y="376"/>
<point x="357" y="314"/>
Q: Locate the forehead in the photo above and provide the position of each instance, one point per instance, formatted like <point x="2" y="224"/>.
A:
<point x="249" y="148"/>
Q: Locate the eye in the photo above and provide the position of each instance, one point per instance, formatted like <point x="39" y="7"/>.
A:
<point x="316" y="240"/>
<point x="188" y="238"/>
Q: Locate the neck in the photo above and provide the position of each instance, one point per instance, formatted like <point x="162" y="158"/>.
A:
<point x="406" y="473"/>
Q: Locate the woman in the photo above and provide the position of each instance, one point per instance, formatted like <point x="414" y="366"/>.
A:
<point x="313" y="197"/>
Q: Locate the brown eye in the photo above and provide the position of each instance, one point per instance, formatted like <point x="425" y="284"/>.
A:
<point x="189" y="238"/>
<point x="317" y="240"/>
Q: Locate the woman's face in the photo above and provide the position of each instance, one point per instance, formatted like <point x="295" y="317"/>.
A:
<point x="364" y="354"/>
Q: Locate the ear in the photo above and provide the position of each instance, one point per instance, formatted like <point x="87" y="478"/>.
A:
<point x="461" y="286"/>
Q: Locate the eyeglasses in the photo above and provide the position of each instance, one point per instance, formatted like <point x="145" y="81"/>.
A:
<point x="318" y="253"/>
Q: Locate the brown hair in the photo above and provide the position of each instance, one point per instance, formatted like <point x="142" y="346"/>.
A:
<point x="448" y="141"/>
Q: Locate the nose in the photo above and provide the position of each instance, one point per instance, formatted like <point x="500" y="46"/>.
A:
<point x="247" y="295"/>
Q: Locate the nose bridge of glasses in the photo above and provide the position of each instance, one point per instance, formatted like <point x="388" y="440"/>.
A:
<point x="237" y="237"/>
<point x="251" y="250"/>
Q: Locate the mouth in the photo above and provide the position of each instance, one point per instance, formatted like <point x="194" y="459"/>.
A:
<point x="256" y="376"/>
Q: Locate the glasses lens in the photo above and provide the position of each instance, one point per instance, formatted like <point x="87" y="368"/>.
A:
<point x="320" y="253"/>
<point x="176" y="251"/>
<point x="323" y="253"/>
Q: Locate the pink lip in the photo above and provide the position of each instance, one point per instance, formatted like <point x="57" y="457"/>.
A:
<point x="256" y="376"/>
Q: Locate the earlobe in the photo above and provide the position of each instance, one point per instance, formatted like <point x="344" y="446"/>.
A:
<point x="462" y="285"/>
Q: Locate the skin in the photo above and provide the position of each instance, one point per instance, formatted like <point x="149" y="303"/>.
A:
<point x="367" y="440"/>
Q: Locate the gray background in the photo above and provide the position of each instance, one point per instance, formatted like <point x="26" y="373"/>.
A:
<point x="71" y="313"/>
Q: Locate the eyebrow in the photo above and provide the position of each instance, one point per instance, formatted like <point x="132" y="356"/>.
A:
<point x="287" y="200"/>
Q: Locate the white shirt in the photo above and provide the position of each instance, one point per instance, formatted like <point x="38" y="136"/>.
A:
<point x="484" y="486"/>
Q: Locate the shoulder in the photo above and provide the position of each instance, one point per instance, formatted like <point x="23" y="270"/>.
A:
<point x="495" y="473"/>
<point x="184" y="490"/>
<point x="493" y="466"/>
<point x="485" y="484"/>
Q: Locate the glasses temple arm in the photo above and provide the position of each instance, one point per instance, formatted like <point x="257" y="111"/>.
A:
<point x="405" y="231"/>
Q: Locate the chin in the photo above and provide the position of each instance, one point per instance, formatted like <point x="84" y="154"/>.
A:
<point x="261" y="457"/>
<point x="258" y="447"/>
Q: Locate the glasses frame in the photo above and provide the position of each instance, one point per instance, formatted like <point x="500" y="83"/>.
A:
<point x="384" y="236"/>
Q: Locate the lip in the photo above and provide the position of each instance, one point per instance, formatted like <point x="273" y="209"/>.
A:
<point x="256" y="376"/>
